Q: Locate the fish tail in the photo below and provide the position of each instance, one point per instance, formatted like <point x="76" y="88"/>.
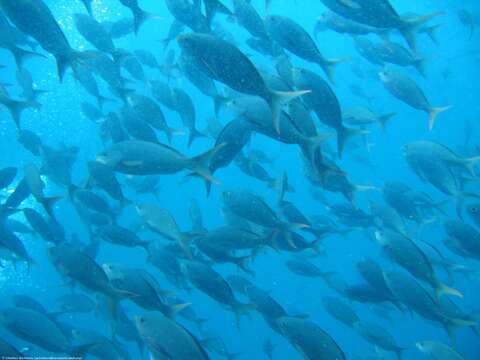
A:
<point x="37" y="93"/>
<point x="241" y="309"/>
<point x="343" y="134"/>
<point x="419" y="64"/>
<point x="242" y="262"/>
<point x="48" y="203"/>
<point x="280" y="98"/>
<point x="267" y="5"/>
<point x="471" y="163"/>
<point x="432" y="32"/>
<point x="384" y="119"/>
<point x="410" y="26"/>
<point x="232" y="356"/>
<point x="200" y="165"/>
<point x="140" y="16"/>
<point x="311" y="144"/>
<point x="433" y="113"/>
<point x="72" y="59"/>
<point x="88" y="7"/>
<point x="328" y="275"/>
<point x="102" y="100"/>
<point x="200" y="322"/>
<point x="175" y="309"/>
<point x="118" y="55"/>
<point x="399" y="352"/>
<point x="16" y="107"/>
<point x="141" y="347"/>
<point x="20" y="55"/>
<point x="184" y="243"/>
<point x="316" y="246"/>
<point x="442" y="289"/>
<point x="219" y="102"/>
<point x="329" y="65"/>
<point x="194" y="134"/>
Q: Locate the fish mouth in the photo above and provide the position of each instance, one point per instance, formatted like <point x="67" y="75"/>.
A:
<point x="383" y="75"/>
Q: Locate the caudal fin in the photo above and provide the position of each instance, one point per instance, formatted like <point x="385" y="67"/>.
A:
<point x="280" y="98"/>
<point x="16" y="107"/>
<point x="410" y="26"/>
<point x="242" y="261"/>
<point x="431" y="31"/>
<point x="219" y="101"/>
<point x="241" y="309"/>
<point x="48" y="203"/>
<point x="200" y="165"/>
<point x="419" y="64"/>
<point x="442" y="289"/>
<point x="101" y="100"/>
<point x="399" y="352"/>
<point x="471" y="163"/>
<point x="139" y="18"/>
<point x="343" y="134"/>
<point x="175" y="309"/>
<point x="384" y="119"/>
<point x="328" y="66"/>
<point x="194" y="134"/>
<point x="88" y="6"/>
<point x="310" y="144"/>
<point x="72" y="59"/>
<point x="20" y="55"/>
<point x="433" y="113"/>
<point x="267" y="5"/>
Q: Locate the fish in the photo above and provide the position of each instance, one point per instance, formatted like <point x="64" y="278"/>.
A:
<point x="161" y="221"/>
<point x="406" y="89"/>
<point x="407" y="254"/>
<point x="7" y="175"/>
<point x="119" y="235"/>
<point x="379" y="336"/>
<point x="473" y="210"/>
<point x="340" y="311"/>
<point x="36" y="328"/>
<point x="385" y="16"/>
<point x="95" y="34"/>
<point x="309" y="339"/>
<point x="225" y="63"/>
<point x="268" y="348"/>
<point x="329" y="20"/>
<point x="139" y="15"/>
<point x="136" y="157"/>
<point x="144" y="287"/>
<point x="35" y="19"/>
<point x="438" y="350"/>
<point x="154" y="329"/>
<point x="364" y="116"/>
<point x="207" y="280"/>
<point x="248" y="17"/>
<point x="324" y="103"/>
<point x="75" y="303"/>
<point x="291" y="36"/>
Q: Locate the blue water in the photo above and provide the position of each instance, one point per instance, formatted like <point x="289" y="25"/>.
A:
<point x="60" y="122"/>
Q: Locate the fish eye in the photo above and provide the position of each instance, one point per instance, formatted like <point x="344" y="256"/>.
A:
<point x="474" y="209"/>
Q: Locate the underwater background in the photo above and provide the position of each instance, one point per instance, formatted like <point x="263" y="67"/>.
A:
<point x="371" y="160"/>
